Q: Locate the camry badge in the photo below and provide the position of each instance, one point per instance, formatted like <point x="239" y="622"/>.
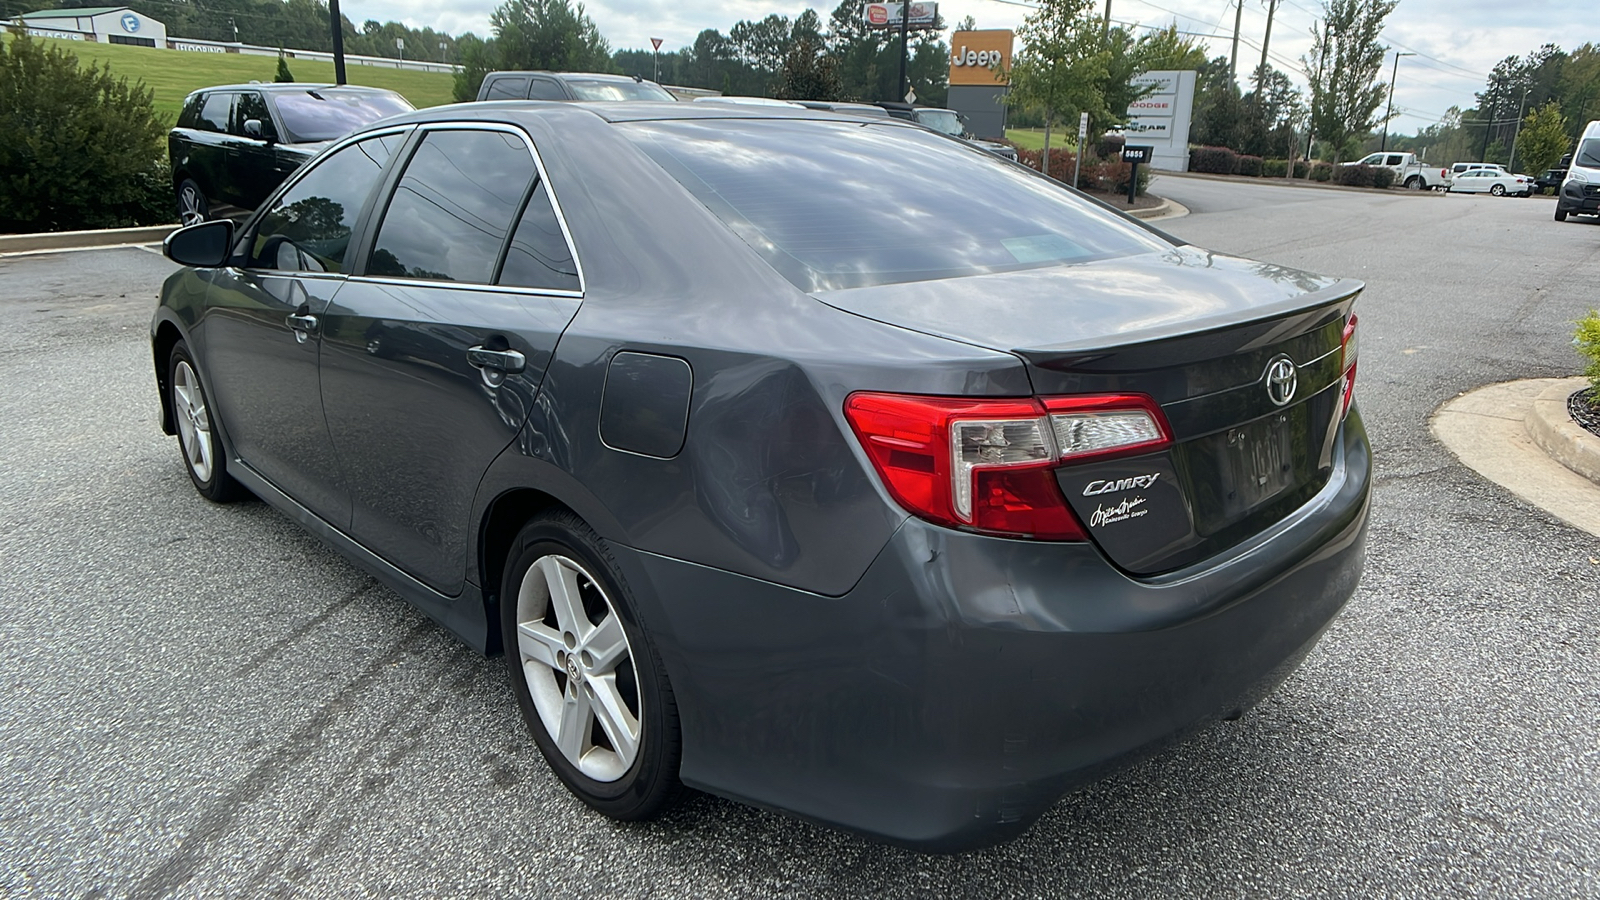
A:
<point x="1281" y="378"/>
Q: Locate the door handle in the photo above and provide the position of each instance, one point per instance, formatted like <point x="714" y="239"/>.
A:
<point x="508" y="362"/>
<point x="302" y="325"/>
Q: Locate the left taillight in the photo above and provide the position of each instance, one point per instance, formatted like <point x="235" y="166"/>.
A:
<point x="1349" y="345"/>
<point x="989" y="465"/>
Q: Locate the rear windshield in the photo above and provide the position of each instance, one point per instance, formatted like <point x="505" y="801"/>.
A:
<point x="617" y="90"/>
<point x="1588" y="154"/>
<point x="834" y="205"/>
<point x="324" y="114"/>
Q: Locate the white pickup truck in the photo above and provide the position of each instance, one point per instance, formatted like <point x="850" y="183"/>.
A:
<point x="1408" y="170"/>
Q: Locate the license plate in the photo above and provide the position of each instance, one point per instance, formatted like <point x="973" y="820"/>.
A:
<point x="1258" y="464"/>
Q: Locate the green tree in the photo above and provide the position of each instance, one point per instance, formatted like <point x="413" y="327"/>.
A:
<point x="1543" y="139"/>
<point x="1063" y="65"/>
<point x="534" y="34"/>
<point x="1343" y="67"/>
<point x="1219" y="109"/>
<point x="284" y="75"/>
<point x="1165" y="49"/>
<point x="82" y="148"/>
<point x="809" y="74"/>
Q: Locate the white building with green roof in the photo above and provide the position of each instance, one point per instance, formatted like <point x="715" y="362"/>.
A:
<point x="103" y="24"/>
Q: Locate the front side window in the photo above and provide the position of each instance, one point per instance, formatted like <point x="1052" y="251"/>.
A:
<point x="1588" y="154"/>
<point x="834" y="205"/>
<point x="308" y="229"/>
<point x="251" y="105"/>
<point x="453" y="208"/>
<point x="214" y="113"/>
<point x="326" y="114"/>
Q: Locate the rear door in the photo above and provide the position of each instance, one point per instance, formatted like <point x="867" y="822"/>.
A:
<point x="433" y="355"/>
<point x="206" y="157"/>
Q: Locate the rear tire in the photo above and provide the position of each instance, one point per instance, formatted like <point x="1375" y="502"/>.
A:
<point x="203" y="455"/>
<point x="1414" y="183"/>
<point x="192" y="206"/>
<point x="1498" y="190"/>
<point x="588" y="679"/>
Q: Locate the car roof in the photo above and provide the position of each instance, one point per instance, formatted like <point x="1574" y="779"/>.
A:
<point x="280" y="87"/>
<point x="593" y="76"/>
<point x="630" y="111"/>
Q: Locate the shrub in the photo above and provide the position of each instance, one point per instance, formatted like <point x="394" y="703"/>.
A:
<point x="1587" y="340"/>
<point x="1383" y="178"/>
<point x="1216" y="160"/>
<point x="1061" y="163"/>
<point x="1301" y="168"/>
<point x="1110" y="146"/>
<point x="284" y="76"/>
<point x="80" y="147"/>
<point x="1250" y="165"/>
<point x="1353" y="176"/>
<point x="1274" y="168"/>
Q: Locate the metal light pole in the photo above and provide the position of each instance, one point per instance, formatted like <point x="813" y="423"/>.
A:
<point x="905" y="26"/>
<point x="335" y="20"/>
<point x="1390" y="111"/>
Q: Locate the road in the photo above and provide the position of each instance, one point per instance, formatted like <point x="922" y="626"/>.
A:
<point x="204" y="701"/>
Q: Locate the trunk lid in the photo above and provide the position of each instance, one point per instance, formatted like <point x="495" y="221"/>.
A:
<point x="1196" y="331"/>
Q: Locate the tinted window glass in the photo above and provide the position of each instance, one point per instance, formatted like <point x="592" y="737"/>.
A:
<point x="252" y="106"/>
<point x="308" y="229"/>
<point x="594" y="89"/>
<point x="941" y="120"/>
<point x="838" y="205"/>
<point x="1588" y="154"/>
<point x="507" y="89"/>
<point x="191" y="112"/>
<point x="325" y="114"/>
<point x="1393" y="161"/>
<point x="539" y="256"/>
<point x="214" y="113"/>
<point x="451" y="211"/>
<point x="545" y="89"/>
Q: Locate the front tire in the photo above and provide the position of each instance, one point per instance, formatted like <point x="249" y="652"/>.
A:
<point x="203" y="455"/>
<point x="192" y="206"/>
<point x="590" y="684"/>
<point x="1561" y="214"/>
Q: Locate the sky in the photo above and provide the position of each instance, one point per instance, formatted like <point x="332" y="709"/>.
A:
<point x="1457" y="42"/>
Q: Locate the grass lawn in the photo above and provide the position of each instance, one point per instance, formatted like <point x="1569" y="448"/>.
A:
<point x="172" y="74"/>
<point x="1033" y="138"/>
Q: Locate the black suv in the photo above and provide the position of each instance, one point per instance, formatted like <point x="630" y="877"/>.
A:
<point x="234" y="144"/>
<point x="569" y="86"/>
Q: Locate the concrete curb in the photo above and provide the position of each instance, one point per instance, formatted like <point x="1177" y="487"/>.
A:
<point x="1552" y="428"/>
<point x="1296" y="183"/>
<point x="1486" y="428"/>
<point x="78" y="240"/>
<point x="1155" y="212"/>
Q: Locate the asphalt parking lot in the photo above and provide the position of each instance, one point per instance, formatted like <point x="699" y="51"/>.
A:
<point x="204" y="701"/>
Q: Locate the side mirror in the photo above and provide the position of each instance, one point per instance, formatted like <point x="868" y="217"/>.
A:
<point x="204" y="246"/>
<point x="252" y="127"/>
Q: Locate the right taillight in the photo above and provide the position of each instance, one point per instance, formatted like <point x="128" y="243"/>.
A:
<point x="989" y="465"/>
<point x="1348" y="348"/>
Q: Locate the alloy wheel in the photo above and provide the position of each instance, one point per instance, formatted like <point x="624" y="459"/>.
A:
<point x="191" y="206"/>
<point x="579" y="667"/>
<point x="194" y="421"/>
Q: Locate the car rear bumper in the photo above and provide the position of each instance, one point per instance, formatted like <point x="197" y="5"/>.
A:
<point x="967" y="682"/>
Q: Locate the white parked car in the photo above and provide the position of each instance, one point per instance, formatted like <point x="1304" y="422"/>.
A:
<point x="1409" y="171"/>
<point x="1497" y="181"/>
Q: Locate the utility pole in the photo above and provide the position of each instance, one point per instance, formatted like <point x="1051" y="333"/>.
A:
<point x="1272" y="7"/>
<point x="1389" y="113"/>
<point x="1107" y="30"/>
<point x="1233" y="61"/>
<point x="336" y="21"/>
<point x="905" y="26"/>
<point x="1512" y="163"/>
<point x="1487" y="124"/>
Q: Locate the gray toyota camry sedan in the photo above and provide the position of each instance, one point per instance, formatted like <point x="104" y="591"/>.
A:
<point x="831" y="465"/>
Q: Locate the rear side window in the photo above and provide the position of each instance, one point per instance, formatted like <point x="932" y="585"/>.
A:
<point x="191" y="111"/>
<point x="308" y="229"/>
<point x="539" y="256"/>
<point x="214" y="113"/>
<point x="545" y="89"/>
<point x="835" y="205"/>
<point x="453" y="207"/>
<point x="507" y="89"/>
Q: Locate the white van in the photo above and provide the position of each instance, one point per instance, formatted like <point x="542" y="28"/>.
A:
<point x="1580" y="192"/>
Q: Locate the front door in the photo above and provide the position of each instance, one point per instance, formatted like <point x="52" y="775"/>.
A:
<point x="253" y="159"/>
<point x="262" y="331"/>
<point x="432" y="358"/>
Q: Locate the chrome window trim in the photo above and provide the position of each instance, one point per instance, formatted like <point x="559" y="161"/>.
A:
<point x="550" y="191"/>
<point x="292" y="181"/>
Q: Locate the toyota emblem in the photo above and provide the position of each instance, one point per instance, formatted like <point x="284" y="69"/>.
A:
<point x="1281" y="380"/>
